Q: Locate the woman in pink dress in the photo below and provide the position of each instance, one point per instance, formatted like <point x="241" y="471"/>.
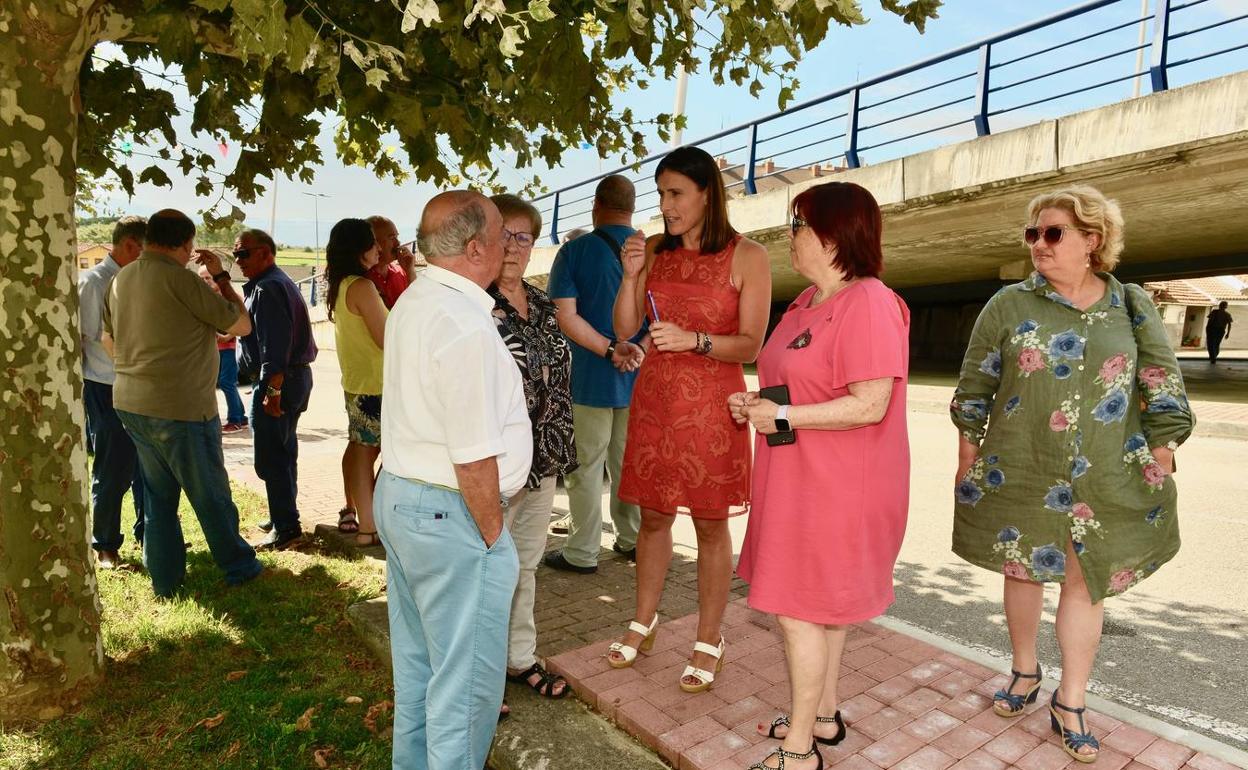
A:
<point x="829" y="508"/>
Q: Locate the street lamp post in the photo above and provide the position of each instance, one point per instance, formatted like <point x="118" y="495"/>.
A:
<point x="316" y="238"/>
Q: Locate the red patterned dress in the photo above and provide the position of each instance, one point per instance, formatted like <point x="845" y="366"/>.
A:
<point x="684" y="452"/>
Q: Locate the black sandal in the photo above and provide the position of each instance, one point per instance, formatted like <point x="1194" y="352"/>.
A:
<point x="545" y="686"/>
<point x="782" y="754"/>
<point x="1009" y="705"/>
<point x="1073" y="741"/>
<point x="348" y="521"/>
<point x="783" y="721"/>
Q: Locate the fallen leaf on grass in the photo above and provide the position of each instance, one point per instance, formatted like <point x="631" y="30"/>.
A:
<point x="360" y="663"/>
<point x="374" y="711"/>
<point x="232" y="751"/>
<point x="209" y="723"/>
<point x="321" y="756"/>
<point x="304" y="723"/>
<point x="234" y="676"/>
<point x="353" y="700"/>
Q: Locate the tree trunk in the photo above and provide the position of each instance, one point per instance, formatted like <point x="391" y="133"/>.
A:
<point x="51" y="651"/>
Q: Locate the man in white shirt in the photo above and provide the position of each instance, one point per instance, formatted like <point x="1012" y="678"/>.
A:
<point x="455" y="443"/>
<point x="115" y="466"/>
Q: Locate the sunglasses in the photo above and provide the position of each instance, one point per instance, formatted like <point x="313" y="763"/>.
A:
<point x="241" y="254"/>
<point x="797" y="224"/>
<point x="523" y="240"/>
<point x="1052" y="234"/>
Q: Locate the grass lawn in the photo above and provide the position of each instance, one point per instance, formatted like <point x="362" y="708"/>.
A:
<point x="297" y="257"/>
<point x="265" y="675"/>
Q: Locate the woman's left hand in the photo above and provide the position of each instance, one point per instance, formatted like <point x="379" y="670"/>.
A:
<point x="670" y="338"/>
<point x="1165" y="458"/>
<point x="762" y="415"/>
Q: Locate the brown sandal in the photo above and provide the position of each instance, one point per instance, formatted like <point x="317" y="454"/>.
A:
<point x="373" y="539"/>
<point x="348" y="521"/>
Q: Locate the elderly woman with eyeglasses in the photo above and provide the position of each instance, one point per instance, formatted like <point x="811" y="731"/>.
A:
<point x="525" y="317"/>
<point x="1069" y="409"/>
<point x="832" y="459"/>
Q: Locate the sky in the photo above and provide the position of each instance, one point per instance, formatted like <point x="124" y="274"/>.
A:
<point x="847" y="56"/>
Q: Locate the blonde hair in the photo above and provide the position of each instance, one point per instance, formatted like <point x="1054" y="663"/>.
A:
<point x="1093" y="213"/>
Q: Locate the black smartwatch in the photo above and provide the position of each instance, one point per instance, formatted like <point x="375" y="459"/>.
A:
<point x="224" y="274"/>
<point x="610" y="349"/>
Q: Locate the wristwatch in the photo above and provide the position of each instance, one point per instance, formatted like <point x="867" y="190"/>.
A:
<point x="224" y="274"/>
<point x="610" y="349"/>
<point x="782" y="419"/>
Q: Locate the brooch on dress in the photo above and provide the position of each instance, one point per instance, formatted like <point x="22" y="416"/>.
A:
<point x="800" y="341"/>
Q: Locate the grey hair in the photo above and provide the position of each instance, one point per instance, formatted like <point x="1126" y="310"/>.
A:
<point x="130" y="227"/>
<point x="451" y="239"/>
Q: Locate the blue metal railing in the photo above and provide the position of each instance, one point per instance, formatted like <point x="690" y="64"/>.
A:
<point x="943" y="109"/>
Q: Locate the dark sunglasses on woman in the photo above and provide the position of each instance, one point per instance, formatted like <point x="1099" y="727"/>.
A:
<point x="1052" y="234"/>
<point x="797" y="224"/>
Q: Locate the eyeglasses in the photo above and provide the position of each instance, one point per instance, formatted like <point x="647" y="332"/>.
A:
<point x="241" y="253"/>
<point x="1052" y="234"/>
<point x="523" y="240"/>
<point x="797" y="224"/>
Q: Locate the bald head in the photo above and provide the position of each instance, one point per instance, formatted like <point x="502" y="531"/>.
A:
<point x="614" y="201"/>
<point x="386" y="236"/>
<point x="461" y="231"/>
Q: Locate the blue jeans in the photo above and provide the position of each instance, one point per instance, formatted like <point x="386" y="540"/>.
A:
<point x="114" y="469"/>
<point x="179" y="455"/>
<point x="277" y="447"/>
<point x="450" y="602"/>
<point x="227" y="383"/>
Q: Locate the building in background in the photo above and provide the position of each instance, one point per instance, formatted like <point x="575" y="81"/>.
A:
<point x="1185" y="304"/>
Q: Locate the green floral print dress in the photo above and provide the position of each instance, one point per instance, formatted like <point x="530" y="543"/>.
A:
<point x="1064" y="405"/>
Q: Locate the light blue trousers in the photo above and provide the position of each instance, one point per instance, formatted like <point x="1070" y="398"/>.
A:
<point x="449" y="599"/>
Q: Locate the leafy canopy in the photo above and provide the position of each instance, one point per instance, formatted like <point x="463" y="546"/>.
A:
<point x="453" y="80"/>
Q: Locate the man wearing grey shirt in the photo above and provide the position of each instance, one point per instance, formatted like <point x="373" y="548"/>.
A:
<point x="115" y="466"/>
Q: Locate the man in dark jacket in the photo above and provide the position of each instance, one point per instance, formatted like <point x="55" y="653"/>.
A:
<point x="276" y="355"/>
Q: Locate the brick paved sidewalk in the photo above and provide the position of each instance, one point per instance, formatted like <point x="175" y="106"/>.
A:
<point x="907" y="704"/>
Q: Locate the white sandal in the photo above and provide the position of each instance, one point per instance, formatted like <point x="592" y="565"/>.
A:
<point x="705" y="678"/>
<point x="628" y="652"/>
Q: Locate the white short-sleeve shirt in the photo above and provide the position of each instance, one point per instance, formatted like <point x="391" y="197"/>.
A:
<point x="451" y="393"/>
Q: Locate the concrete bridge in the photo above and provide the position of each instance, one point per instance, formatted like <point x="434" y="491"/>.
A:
<point x="1177" y="161"/>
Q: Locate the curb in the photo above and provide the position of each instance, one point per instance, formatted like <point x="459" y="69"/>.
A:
<point x="1192" y="740"/>
<point x="542" y="733"/>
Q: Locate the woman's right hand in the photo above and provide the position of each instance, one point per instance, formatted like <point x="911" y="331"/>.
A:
<point x="738" y="403"/>
<point x="633" y="255"/>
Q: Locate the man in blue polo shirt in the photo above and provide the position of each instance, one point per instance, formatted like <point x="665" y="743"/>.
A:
<point x="583" y="283"/>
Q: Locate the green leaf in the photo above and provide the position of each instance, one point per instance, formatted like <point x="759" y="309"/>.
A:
<point x="299" y="41"/>
<point x="154" y="175"/>
<point x="376" y="77"/>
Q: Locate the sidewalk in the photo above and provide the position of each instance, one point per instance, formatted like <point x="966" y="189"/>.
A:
<point x="911" y="700"/>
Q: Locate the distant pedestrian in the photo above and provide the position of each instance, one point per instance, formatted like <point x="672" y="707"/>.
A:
<point x="584" y="280"/>
<point x="396" y="265"/>
<point x="829" y="506"/>
<point x="276" y="355"/>
<point x="708" y="292"/>
<point x="162" y="324"/>
<point x="455" y="443"/>
<point x="227" y="377"/>
<point x="1217" y="328"/>
<point x="115" y="466"/>
<point x="1069" y="409"/>
<point x="525" y="318"/>
<point x="359" y="318"/>
<point x="574" y="233"/>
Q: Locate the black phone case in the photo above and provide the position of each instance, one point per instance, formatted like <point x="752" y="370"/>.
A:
<point x="780" y="395"/>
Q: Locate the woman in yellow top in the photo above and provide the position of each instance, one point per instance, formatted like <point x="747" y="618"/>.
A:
<point x="359" y="318"/>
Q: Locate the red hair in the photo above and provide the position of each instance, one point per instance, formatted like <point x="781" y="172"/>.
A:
<point x="845" y="215"/>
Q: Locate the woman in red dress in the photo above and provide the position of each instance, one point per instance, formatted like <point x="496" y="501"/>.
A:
<point x="708" y="291"/>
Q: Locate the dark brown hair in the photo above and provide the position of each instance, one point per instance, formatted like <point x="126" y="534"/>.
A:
<point x="348" y="241"/>
<point x="699" y="167"/>
<point x="845" y="215"/>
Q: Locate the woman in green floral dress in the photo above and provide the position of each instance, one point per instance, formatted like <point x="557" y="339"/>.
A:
<point x="1069" y="407"/>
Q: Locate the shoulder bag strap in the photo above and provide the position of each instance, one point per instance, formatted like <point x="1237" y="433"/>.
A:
<point x="611" y="244"/>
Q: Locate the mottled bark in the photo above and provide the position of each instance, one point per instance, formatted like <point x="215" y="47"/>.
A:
<point x="50" y="645"/>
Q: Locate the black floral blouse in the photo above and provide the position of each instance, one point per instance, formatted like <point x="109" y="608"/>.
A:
<point x="545" y="360"/>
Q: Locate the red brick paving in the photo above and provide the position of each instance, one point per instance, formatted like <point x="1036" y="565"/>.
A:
<point x="908" y="706"/>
